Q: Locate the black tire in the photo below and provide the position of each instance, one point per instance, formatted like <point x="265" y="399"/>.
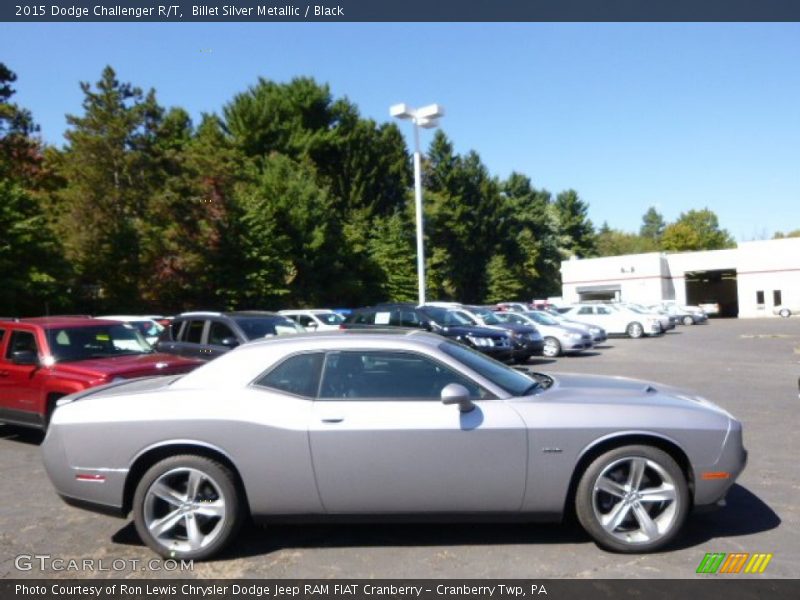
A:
<point x="660" y="475"/>
<point x="216" y="488"/>
<point x="688" y="320"/>
<point x="785" y="313"/>
<point x="552" y="347"/>
<point x="50" y="408"/>
<point x="634" y="330"/>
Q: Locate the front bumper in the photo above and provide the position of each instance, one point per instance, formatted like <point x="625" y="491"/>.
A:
<point x="710" y="486"/>
<point x="528" y="348"/>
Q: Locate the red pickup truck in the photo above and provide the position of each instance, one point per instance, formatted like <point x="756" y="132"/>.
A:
<point x="43" y="359"/>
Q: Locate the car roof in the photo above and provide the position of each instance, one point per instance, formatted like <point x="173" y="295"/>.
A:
<point x="371" y="335"/>
<point x="67" y="321"/>
<point x="312" y="311"/>
<point x="235" y="313"/>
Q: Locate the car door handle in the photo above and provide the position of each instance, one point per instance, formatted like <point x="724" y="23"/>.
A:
<point x="332" y="419"/>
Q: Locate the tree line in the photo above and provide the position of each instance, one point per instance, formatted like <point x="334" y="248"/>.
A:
<point x="286" y="197"/>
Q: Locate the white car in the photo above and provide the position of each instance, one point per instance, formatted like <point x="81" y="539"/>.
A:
<point x="315" y="319"/>
<point x="786" y="311"/>
<point x="149" y="329"/>
<point x="615" y="320"/>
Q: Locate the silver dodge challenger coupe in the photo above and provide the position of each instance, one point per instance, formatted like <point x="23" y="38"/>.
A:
<point x="378" y="424"/>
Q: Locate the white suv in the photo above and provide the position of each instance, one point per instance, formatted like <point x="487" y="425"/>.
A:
<point x="315" y="319"/>
<point x="616" y="320"/>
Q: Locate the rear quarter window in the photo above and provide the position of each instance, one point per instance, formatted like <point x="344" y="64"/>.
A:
<point x="297" y="375"/>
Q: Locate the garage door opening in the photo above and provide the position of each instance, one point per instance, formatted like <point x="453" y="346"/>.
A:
<point x="604" y="293"/>
<point x="714" y="287"/>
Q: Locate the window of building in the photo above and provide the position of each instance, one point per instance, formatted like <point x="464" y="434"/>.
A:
<point x="776" y="298"/>
<point x="760" y="297"/>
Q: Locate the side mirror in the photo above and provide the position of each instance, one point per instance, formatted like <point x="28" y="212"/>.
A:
<point x="229" y="342"/>
<point x="24" y="357"/>
<point x="455" y="393"/>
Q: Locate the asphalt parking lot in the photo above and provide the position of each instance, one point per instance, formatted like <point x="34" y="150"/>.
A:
<point x="750" y="367"/>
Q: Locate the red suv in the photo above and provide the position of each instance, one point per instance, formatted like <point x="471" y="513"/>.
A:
<point x="46" y="358"/>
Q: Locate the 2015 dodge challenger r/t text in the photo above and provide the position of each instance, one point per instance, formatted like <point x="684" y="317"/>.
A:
<point x="380" y="423"/>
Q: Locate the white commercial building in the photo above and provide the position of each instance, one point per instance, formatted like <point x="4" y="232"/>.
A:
<point x="746" y="281"/>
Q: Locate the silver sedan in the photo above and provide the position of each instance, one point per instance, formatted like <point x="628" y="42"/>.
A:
<point x="347" y="424"/>
<point x="558" y="339"/>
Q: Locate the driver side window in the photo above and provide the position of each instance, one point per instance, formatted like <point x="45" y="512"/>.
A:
<point x="389" y="375"/>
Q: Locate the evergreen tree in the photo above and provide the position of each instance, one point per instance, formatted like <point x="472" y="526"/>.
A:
<point x="393" y="250"/>
<point x="576" y="232"/>
<point x="108" y="165"/>
<point x="652" y="225"/>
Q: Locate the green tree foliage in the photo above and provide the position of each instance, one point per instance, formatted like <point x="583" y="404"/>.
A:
<point x="33" y="272"/>
<point x="653" y="225"/>
<point x="791" y="234"/>
<point x="392" y="247"/>
<point x="191" y="233"/>
<point x="696" y="230"/>
<point x="461" y="216"/>
<point x="110" y="165"/>
<point x="531" y="237"/>
<point x="576" y="231"/>
<point x="614" y="242"/>
<point x="288" y="198"/>
<point x="290" y="242"/>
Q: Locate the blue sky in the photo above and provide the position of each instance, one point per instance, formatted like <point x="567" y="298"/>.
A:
<point x="678" y="116"/>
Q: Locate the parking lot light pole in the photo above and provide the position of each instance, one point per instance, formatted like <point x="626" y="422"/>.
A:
<point x="427" y="118"/>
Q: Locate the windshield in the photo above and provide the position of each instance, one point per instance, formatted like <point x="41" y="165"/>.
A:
<point x="489" y="318"/>
<point x="258" y="327"/>
<point x="330" y="318"/>
<point x="148" y="328"/>
<point x="97" y="341"/>
<point x="542" y="318"/>
<point x="447" y="318"/>
<point x="512" y="381"/>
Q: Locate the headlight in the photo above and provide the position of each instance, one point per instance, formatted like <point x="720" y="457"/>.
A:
<point x="480" y="341"/>
<point x="594" y="331"/>
<point x="574" y="336"/>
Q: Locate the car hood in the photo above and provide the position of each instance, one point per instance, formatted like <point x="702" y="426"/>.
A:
<point x="602" y="389"/>
<point x="138" y="365"/>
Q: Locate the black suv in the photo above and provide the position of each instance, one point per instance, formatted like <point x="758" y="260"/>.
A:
<point x="209" y="334"/>
<point x="491" y="342"/>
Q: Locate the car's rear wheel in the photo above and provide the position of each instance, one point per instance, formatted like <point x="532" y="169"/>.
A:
<point x="688" y="320"/>
<point x="635" y="330"/>
<point x="187" y="507"/>
<point x="785" y="313"/>
<point x="552" y="347"/>
<point x="632" y="499"/>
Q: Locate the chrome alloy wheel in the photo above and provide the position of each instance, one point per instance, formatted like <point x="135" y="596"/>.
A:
<point x="184" y="509"/>
<point x="635" y="500"/>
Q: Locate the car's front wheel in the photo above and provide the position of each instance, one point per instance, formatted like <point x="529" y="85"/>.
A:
<point x="785" y="313"/>
<point x="552" y="347"/>
<point x="632" y="499"/>
<point x="688" y="320"/>
<point x="635" y="330"/>
<point x="187" y="507"/>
